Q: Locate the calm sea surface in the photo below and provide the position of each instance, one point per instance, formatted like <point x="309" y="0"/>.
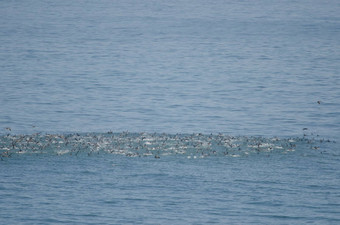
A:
<point x="170" y="112"/>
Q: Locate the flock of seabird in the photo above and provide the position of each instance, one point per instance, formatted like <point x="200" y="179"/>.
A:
<point x="146" y="144"/>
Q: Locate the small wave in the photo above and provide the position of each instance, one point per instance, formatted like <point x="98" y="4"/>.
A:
<point x="150" y="144"/>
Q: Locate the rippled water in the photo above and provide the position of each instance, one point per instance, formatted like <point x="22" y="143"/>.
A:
<point x="245" y="68"/>
<point x="180" y="112"/>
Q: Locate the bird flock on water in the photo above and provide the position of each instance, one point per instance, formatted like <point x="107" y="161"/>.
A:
<point x="156" y="145"/>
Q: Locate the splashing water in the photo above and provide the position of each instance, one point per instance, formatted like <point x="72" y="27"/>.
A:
<point x="151" y="144"/>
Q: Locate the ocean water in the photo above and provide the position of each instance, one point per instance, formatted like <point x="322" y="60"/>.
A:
<point x="169" y="112"/>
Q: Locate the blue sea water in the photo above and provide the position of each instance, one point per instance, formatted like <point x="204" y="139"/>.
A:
<point x="169" y="112"/>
